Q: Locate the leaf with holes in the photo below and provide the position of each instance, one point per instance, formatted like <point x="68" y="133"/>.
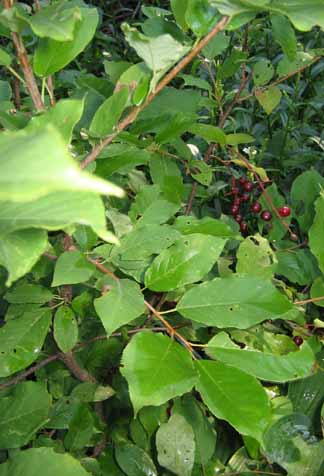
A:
<point x="21" y="340"/>
<point x="239" y="302"/>
<point x="188" y="260"/>
<point x="120" y="305"/>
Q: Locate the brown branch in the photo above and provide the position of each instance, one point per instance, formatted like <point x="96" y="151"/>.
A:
<point x="31" y="83"/>
<point x="75" y="369"/>
<point x="18" y="378"/>
<point x="191" y="198"/>
<point x="171" y="330"/>
<point x="130" y="118"/>
<point x="280" y="80"/>
<point x="308" y="301"/>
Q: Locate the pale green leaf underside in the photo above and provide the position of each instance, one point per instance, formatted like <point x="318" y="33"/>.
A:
<point x="36" y="163"/>
<point x="55" y="212"/>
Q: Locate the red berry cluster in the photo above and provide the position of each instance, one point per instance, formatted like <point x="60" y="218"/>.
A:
<point x="242" y="192"/>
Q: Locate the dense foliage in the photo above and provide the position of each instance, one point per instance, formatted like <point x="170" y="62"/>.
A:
<point x="161" y="238"/>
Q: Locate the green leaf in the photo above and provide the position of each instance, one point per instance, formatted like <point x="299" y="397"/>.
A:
<point x="303" y="15"/>
<point x="239" y="302"/>
<point x="159" y="52"/>
<point x="20" y="250"/>
<point x="209" y="133"/>
<point x="158" y="212"/>
<point x="288" y="443"/>
<point x="5" y="58"/>
<point x="108" y="114"/>
<point x="179" y="8"/>
<point x="299" y="266"/>
<point x="71" y="268"/>
<point x="188" y="260"/>
<point x="121" y="305"/>
<point x="30" y="155"/>
<point x="307" y="395"/>
<point x="234" y="396"/>
<point x="263" y="365"/>
<point x="81" y="429"/>
<point x="175" y="444"/>
<point x="317" y="290"/>
<point x="120" y="160"/>
<point x="24" y="293"/>
<point x="23" y="463"/>
<point x="239" y="138"/>
<point x="24" y="412"/>
<point x="167" y="175"/>
<point x="92" y="392"/>
<point x="269" y="98"/>
<point x="284" y="34"/>
<point x="205" y="226"/>
<point x="316" y="232"/>
<point x="156" y="369"/>
<point x="21" y="340"/>
<point x="286" y="66"/>
<point x="205" y="434"/>
<point x="200" y="16"/>
<point x="55" y="21"/>
<point x="145" y="241"/>
<point x="51" y="55"/>
<point x="255" y="257"/>
<point x="262" y="72"/>
<point x="63" y="116"/>
<point x="55" y="212"/>
<point x="216" y="46"/>
<point x="305" y="189"/>
<point x="134" y="461"/>
<point x="65" y="329"/>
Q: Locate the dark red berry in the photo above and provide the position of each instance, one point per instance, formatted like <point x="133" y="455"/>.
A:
<point x="236" y="201"/>
<point x="242" y="180"/>
<point x="235" y="209"/>
<point x="239" y="218"/>
<point x="284" y="211"/>
<point x="248" y="186"/>
<point x="243" y="227"/>
<point x="256" y="207"/>
<point x="235" y="190"/>
<point x="245" y="197"/>
<point x="298" y="340"/>
<point x="266" y="215"/>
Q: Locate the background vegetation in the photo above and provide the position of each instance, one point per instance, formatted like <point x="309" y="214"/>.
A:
<point x="161" y="238"/>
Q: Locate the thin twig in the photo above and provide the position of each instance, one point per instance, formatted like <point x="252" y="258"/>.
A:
<point x="280" y="80"/>
<point x="130" y="118"/>
<point x="191" y="198"/>
<point x="308" y="301"/>
<point x="22" y="55"/>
